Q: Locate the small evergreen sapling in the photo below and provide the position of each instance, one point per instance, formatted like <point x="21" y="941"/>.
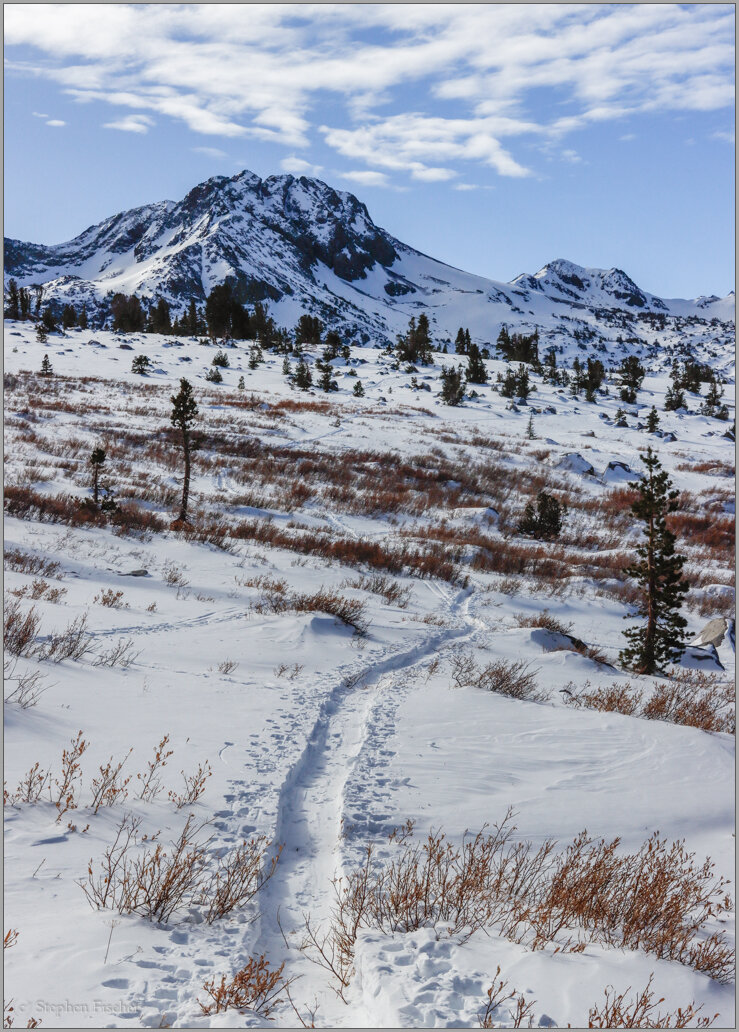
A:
<point x="303" y="378"/>
<point x="652" y="422"/>
<point x="46" y="369"/>
<point x="476" y="371"/>
<point x="97" y="458"/>
<point x="358" y="389"/>
<point x="241" y="385"/>
<point x="182" y="417"/>
<point x="140" y="365"/>
<point x="658" y="573"/>
<point x="213" y="375"/>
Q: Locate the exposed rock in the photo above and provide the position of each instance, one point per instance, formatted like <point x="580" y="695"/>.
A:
<point x="619" y="473"/>
<point x="575" y="463"/>
<point x="135" y="573"/>
<point x="713" y="633"/>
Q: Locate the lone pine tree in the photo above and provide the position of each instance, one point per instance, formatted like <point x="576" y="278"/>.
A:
<point x="184" y="411"/>
<point x="97" y="458"/>
<point x="658" y="573"/>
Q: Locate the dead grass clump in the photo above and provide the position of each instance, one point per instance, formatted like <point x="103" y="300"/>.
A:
<point x="194" y="786"/>
<point x="643" y="1012"/>
<point x="237" y="877"/>
<point x="694" y="698"/>
<point x="174" y="576"/>
<point x="255" y="987"/>
<point x="543" y="619"/>
<point x="19" y="629"/>
<point x="514" y="679"/>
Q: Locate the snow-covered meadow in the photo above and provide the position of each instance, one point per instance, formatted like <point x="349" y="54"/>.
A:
<point x="321" y="736"/>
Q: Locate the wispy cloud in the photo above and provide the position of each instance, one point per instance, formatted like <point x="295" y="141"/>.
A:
<point x="210" y="152"/>
<point x="38" y="114"/>
<point x="264" y="71"/>
<point x="131" y="124"/>
<point x="298" y="167"/>
<point x="57" y="123"/>
<point x="727" y="135"/>
<point x="367" y="178"/>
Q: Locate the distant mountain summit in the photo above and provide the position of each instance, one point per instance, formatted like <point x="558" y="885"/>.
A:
<point x="300" y="246"/>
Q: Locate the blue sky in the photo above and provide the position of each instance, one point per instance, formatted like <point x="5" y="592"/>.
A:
<point x="493" y="137"/>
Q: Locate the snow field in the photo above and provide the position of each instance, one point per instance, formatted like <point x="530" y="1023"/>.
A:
<point x="317" y="738"/>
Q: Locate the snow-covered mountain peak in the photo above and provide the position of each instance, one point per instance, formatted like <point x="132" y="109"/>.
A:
<point x="302" y="246"/>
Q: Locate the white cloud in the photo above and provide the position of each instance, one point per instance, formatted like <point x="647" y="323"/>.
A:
<point x="131" y="124"/>
<point x="210" y="152"/>
<point x="727" y="135"/>
<point x="367" y="178"/>
<point x="38" y="114"/>
<point x="627" y="136"/>
<point x="263" y="71"/>
<point x="298" y="167"/>
<point x="57" y="123"/>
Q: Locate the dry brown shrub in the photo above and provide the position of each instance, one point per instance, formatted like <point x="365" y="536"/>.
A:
<point x="27" y="685"/>
<point x="108" y="787"/>
<point x="498" y="994"/>
<point x="694" y="698"/>
<point x="255" y="987"/>
<point x="643" y="1012"/>
<point x="351" y="612"/>
<point x="138" y="875"/>
<point x="110" y="598"/>
<point x="121" y="653"/>
<point x="151" y="784"/>
<point x="514" y="679"/>
<point x="658" y="898"/>
<point x="390" y="590"/>
<point x="543" y="619"/>
<point x="73" y="642"/>
<point x="194" y="786"/>
<point x="613" y="698"/>
<point x="19" y="629"/>
<point x="63" y="794"/>
<point x="27" y="562"/>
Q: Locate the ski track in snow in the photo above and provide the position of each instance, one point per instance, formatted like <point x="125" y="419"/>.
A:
<point x="332" y="793"/>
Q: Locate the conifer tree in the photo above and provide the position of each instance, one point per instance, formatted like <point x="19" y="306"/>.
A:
<point x="652" y="422"/>
<point x="46" y="369"/>
<point x="12" y="308"/>
<point x="543" y="521"/>
<point x="631" y="373"/>
<point x="460" y="344"/>
<point x="476" y="371"/>
<point x="69" y="316"/>
<point x="184" y="411"/>
<point x="530" y="432"/>
<point x="97" y="458"/>
<point x="674" y="398"/>
<point x="658" y="573"/>
<point x="241" y="385"/>
<point x="41" y="336"/>
<point x="286" y="367"/>
<point x="358" y="389"/>
<point x="303" y="378"/>
<point x="452" y="385"/>
<point x="83" y="318"/>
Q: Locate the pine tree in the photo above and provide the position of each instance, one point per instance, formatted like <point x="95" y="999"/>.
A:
<point x="46" y="369"/>
<point x="358" y="389"/>
<point x="83" y="318"/>
<point x="213" y="375"/>
<point x="48" y="320"/>
<point x="184" y="411"/>
<point x="140" y="365"/>
<point x="631" y="373"/>
<point x="658" y="573"/>
<point x="460" y="344"/>
<point x="303" y="378"/>
<point x="12" y="308"/>
<point x="530" y="432"/>
<point x="674" y="398"/>
<point x="476" y="371"/>
<point x="543" y="522"/>
<point x="69" y="317"/>
<point x="97" y="458"/>
<point x="620" y="417"/>
<point x="241" y="385"/>
<point x="652" y="422"/>
<point x="286" y="367"/>
<point x="41" y="335"/>
<point x="452" y="385"/>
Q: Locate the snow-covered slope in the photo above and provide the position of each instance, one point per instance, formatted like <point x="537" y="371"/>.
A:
<point x="301" y="246"/>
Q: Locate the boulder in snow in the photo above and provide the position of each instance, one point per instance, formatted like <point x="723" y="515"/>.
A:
<point x="575" y="463"/>
<point x="619" y="473"/>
